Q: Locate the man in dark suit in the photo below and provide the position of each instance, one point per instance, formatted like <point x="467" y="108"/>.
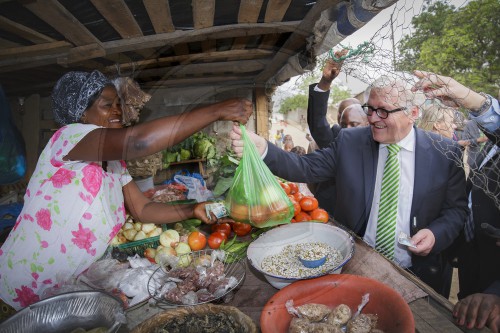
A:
<point x="322" y="133"/>
<point x="432" y="204"/>
<point x="479" y="248"/>
<point x="317" y="106"/>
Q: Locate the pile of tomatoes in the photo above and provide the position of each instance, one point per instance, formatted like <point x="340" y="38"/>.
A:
<point x="219" y="232"/>
<point x="305" y="207"/>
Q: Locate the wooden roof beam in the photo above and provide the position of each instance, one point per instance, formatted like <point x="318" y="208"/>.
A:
<point x="117" y="13"/>
<point x="243" y="66"/>
<point x="296" y="41"/>
<point x="38" y="49"/>
<point x="218" y="56"/>
<point x="276" y="10"/>
<point x="222" y="80"/>
<point x="203" y="13"/>
<point x="249" y="11"/>
<point x="159" y="14"/>
<point x="58" y="17"/>
<point x="130" y="44"/>
<point x="23" y="32"/>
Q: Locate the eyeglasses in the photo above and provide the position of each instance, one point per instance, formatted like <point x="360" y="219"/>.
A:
<point x="381" y="112"/>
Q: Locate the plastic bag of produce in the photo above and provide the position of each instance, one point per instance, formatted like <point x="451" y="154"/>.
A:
<point x="256" y="197"/>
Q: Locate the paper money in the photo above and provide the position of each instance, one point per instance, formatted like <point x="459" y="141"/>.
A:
<point x="217" y="209"/>
<point x="404" y="239"/>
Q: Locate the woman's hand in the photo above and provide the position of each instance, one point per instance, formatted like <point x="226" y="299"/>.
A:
<point x="200" y="213"/>
<point x="447" y="90"/>
<point x="478" y="310"/>
<point x="235" y="109"/>
<point x="237" y="141"/>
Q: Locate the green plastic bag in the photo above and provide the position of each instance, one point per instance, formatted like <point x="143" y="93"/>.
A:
<point x="256" y="197"/>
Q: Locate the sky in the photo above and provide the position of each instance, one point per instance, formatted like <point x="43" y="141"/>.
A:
<point x="379" y="31"/>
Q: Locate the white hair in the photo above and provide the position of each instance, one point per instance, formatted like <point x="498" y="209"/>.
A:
<point x="402" y="83"/>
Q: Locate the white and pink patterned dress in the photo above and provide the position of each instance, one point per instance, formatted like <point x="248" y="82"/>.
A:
<point x="72" y="210"/>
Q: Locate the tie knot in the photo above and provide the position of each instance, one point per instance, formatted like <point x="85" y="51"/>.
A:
<point x="393" y="149"/>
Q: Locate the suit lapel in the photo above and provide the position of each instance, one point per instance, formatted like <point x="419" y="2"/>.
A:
<point x="423" y="162"/>
<point x="370" y="159"/>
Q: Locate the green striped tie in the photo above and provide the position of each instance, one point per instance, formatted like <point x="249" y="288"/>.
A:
<point x="388" y="208"/>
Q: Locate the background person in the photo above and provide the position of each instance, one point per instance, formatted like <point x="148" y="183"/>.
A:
<point x="438" y="119"/>
<point x="431" y="189"/>
<point x="77" y="196"/>
<point x="479" y="271"/>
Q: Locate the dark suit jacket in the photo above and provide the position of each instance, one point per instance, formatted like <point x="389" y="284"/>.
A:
<point x="479" y="265"/>
<point x="439" y="196"/>
<point x="317" y="107"/>
<point x="323" y="135"/>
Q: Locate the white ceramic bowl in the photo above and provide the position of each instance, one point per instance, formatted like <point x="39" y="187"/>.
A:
<point x="274" y="240"/>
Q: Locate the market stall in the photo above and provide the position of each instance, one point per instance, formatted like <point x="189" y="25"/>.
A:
<point x="431" y="312"/>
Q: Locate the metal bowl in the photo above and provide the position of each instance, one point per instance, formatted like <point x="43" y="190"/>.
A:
<point x="274" y="240"/>
<point x="232" y="268"/>
<point x="66" y="312"/>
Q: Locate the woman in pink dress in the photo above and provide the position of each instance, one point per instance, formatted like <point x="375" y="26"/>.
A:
<point x="77" y="196"/>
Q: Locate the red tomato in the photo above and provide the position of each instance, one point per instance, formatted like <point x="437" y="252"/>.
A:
<point x="197" y="241"/>
<point x="296" y="208"/>
<point x="298" y="196"/>
<point x="319" y="214"/>
<point x="215" y="239"/>
<point x="241" y="229"/>
<point x="285" y="187"/>
<point x="308" y="203"/>
<point x="222" y="227"/>
<point x="294" y="188"/>
<point x="293" y="221"/>
<point x="302" y="217"/>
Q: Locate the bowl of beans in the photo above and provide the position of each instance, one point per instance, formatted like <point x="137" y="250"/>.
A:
<point x="300" y="251"/>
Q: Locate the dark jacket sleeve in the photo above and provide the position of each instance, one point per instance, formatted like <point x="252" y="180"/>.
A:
<point x="314" y="167"/>
<point x="317" y="107"/>
<point x="494" y="288"/>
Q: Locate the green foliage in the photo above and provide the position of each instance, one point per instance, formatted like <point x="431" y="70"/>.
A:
<point x="298" y="101"/>
<point x="460" y="43"/>
<point x="337" y="94"/>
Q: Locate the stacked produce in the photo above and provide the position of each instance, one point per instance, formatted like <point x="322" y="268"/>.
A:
<point x="135" y="231"/>
<point x="305" y="207"/>
<point x="200" y="146"/>
<point x="185" y="237"/>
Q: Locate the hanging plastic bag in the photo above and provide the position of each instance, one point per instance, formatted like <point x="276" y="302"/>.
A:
<point x="256" y="197"/>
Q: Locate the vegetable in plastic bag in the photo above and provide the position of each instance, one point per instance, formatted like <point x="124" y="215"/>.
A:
<point x="255" y="196"/>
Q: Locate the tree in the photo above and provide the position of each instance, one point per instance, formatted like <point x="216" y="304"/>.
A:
<point x="459" y="43"/>
<point x="299" y="100"/>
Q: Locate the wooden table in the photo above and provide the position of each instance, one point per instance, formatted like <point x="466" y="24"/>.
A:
<point x="432" y="312"/>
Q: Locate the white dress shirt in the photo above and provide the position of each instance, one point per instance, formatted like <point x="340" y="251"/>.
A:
<point x="407" y="167"/>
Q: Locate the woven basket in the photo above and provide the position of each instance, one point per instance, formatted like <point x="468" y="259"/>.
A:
<point x="155" y="323"/>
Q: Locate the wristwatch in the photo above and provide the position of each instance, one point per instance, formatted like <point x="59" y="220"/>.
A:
<point x="485" y="106"/>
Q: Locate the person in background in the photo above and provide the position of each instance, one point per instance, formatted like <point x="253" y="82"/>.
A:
<point x="438" y="118"/>
<point x="473" y="139"/>
<point x="288" y="142"/>
<point x="325" y="192"/>
<point x="278" y="138"/>
<point x="428" y="201"/>
<point x="298" y="150"/>
<point x="312" y="146"/>
<point x="77" y="197"/>
<point x="317" y="105"/>
<point x="353" y="116"/>
<point x="479" y="269"/>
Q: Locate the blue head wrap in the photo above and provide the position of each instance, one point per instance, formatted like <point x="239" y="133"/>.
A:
<point x="72" y="93"/>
